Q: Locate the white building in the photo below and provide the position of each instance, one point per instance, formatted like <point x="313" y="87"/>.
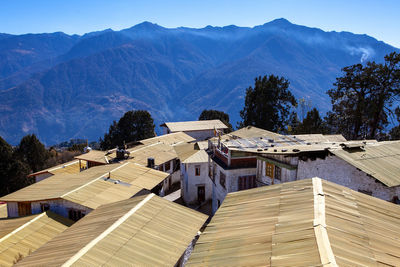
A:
<point x="372" y="168"/>
<point x="199" y="130"/>
<point x="196" y="187"/>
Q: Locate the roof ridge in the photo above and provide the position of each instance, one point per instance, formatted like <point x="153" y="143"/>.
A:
<point x="321" y="235"/>
<point x="111" y="228"/>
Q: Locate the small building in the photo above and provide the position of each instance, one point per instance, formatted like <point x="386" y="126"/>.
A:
<point x="199" y="130"/>
<point x="366" y="166"/>
<point x="143" y="231"/>
<point x="20" y="237"/>
<point x="235" y="164"/>
<point x="69" y="167"/>
<point x="75" y="195"/>
<point x="310" y="222"/>
<point x="196" y="187"/>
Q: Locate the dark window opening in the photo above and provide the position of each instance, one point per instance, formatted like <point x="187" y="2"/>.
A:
<point x="197" y="170"/>
<point x="222" y="179"/>
<point x="246" y="182"/>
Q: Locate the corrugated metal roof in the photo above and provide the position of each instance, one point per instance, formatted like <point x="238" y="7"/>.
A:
<point x="68" y="167"/>
<point x="89" y="188"/>
<point x="20" y="237"/>
<point x="199" y="157"/>
<point x="303" y="223"/>
<point x="250" y="132"/>
<point x="142" y="231"/>
<point x="58" y="185"/>
<point x="184" y="126"/>
<point x="94" y="156"/>
<point x="169" y="139"/>
<point x="159" y="151"/>
<point x="202" y="145"/>
<point x="381" y="160"/>
<point x="134" y="178"/>
<point x="184" y="151"/>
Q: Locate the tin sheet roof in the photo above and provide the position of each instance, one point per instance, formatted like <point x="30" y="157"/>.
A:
<point x="184" y="126"/>
<point x="169" y="139"/>
<point x="303" y="223"/>
<point x="184" y="151"/>
<point x="68" y="167"/>
<point x="94" y="156"/>
<point x="20" y="237"/>
<point x="199" y="157"/>
<point x="91" y="188"/>
<point x="380" y="160"/>
<point x="159" y="151"/>
<point x="142" y="231"/>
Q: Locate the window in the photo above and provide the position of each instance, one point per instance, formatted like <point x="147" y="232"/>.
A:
<point x="167" y="166"/>
<point x="269" y="170"/>
<point x="222" y="178"/>
<point x="197" y="170"/>
<point x="44" y="206"/>
<point x="246" y="182"/>
<point x="75" y="214"/>
<point x="161" y="168"/>
<point x="278" y="173"/>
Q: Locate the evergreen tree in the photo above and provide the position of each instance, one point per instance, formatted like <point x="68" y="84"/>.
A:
<point x="268" y="104"/>
<point x="312" y="124"/>
<point x="132" y="126"/>
<point x="395" y="131"/>
<point x="31" y="151"/>
<point x="13" y="172"/>
<point x="212" y="114"/>
<point x="363" y="97"/>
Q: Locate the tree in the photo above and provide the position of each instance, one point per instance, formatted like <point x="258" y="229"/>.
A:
<point x="31" y="151"/>
<point x="13" y="172"/>
<point x="268" y="104"/>
<point x="312" y="124"/>
<point x="132" y="126"/>
<point x="363" y="97"/>
<point x="395" y="131"/>
<point x="212" y="114"/>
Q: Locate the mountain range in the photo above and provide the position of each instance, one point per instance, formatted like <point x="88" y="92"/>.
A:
<point x="61" y="86"/>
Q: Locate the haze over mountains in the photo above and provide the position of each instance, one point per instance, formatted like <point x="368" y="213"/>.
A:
<point x="63" y="86"/>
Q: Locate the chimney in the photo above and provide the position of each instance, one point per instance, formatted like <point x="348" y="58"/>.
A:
<point x="150" y="163"/>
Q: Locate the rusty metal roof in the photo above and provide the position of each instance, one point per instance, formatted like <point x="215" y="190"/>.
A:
<point x="20" y="237"/>
<point x="142" y="231"/>
<point x="303" y="223"/>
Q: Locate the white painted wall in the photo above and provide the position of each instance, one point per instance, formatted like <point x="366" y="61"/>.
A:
<point x="190" y="182"/>
<point x="332" y="169"/>
<point x="231" y="183"/>
<point x="339" y="171"/>
<point x="59" y="206"/>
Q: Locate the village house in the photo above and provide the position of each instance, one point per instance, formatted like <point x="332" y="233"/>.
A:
<point x="143" y="231"/>
<point x="369" y="167"/>
<point x="69" y="167"/>
<point x="199" y="130"/>
<point x="233" y="165"/>
<point x="20" y="237"/>
<point x="309" y="222"/>
<point x="196" y="187"/>
<point x="75" y="195"/>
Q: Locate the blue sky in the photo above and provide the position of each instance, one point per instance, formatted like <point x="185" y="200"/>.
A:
<point x="380" y="19"/>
